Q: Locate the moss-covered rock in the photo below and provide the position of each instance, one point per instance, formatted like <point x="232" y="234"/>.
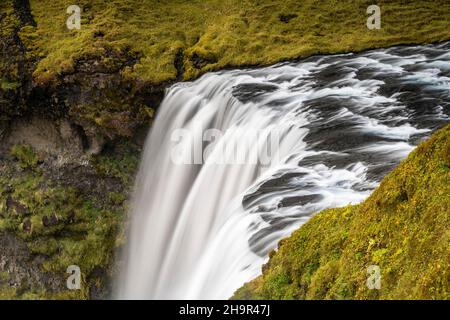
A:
<point x="403" y="228"/>
<point x="215" y="34"/>
<point x="15" y="75"/>
<point x="56" y="215"/>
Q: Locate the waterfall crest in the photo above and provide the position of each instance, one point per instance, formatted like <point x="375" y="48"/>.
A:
<point x="239" y="159"/>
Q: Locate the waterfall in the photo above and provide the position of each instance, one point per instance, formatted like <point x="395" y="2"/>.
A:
<point x="237" y="160"/>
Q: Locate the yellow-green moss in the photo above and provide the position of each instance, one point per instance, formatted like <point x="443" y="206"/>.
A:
<point x="9" y="22"/>
<point x="7" y="85"/>
<point x="62" y="224"/>
<point x="214" y="34"/>
<point x="403" y="227"/>
<point x="25" y="155"/>
<point x="10" y="59"/>
<point x="122" y="167"/>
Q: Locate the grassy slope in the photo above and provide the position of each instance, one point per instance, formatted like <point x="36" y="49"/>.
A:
<point x="214" y="34"/>
<point x="404" y="228"/>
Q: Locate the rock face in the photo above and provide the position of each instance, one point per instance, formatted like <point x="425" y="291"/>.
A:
<point x="23" y="270"/>
<point x="15" y="69"/>
<point x="52" y="137"/>
<point x="401" y="229"/>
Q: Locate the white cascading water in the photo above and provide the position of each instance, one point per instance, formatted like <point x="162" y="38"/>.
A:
<point x="203" y="221"/>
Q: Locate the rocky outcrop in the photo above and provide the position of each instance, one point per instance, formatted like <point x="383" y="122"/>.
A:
<point x="55" y="138"/>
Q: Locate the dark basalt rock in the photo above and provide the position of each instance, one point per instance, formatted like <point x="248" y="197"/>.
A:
<point x="299" y="201"/>
<point x="16" y="207"/>
<point x="71" y="217"/>
<point x="23" y="10"/>
<point x="26" y="225"/>
<point x="49" y="221"/>
<point x="276" y="183"/>
<point x="200" y="62"/>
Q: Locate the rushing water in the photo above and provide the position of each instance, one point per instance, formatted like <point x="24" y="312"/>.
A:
<point x="202" y="228"/>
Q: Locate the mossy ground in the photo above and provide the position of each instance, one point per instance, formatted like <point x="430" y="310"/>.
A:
<point x="12" y="61"/>
<point x="214" y="34"/>
<point x="61" y="223"/>
<point x="8" y="24"/>
<point x="403" y="227"/>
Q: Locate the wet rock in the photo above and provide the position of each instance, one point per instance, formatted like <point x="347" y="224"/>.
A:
<point x="299" y="200"/>
<point x="260" y="241"/>
<point x="247" y="92"/>
<point x="16" y="207"/>
<point x="199" y="62"/>
<point x="49" y="221"/>
<point x="26" y="225"/>
<point x="274" y="184"/>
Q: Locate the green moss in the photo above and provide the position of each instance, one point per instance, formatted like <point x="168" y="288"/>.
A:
<point x="7" y="292"/>
<point x="25" y="155"/>
<point x="403" y="227"/>
<point x="61" y="224"/>
<point x="122" y="167"/>
<point x="4" y="276"/>
<point x="117" y="198"/>
<point x="214" y="34"/>
<point x="11" y="60"/>
<point x="7" y="85"/>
